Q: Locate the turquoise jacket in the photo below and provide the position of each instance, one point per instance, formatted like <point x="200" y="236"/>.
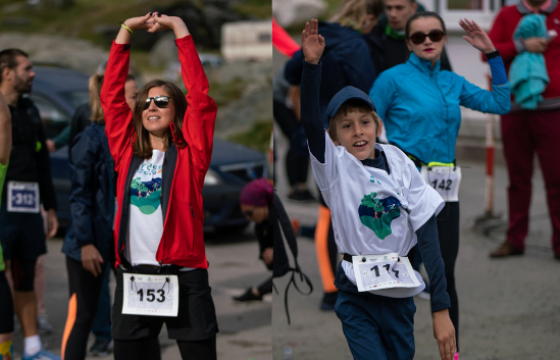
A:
<point x="527" y="74"/>
<point x="419" y="106"/>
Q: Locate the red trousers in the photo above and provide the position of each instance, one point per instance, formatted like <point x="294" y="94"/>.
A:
<point x="525" y="133"/>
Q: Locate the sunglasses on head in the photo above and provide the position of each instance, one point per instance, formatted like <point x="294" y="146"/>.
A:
<point x="161" y="101"/>
<point x="418" y="37"/>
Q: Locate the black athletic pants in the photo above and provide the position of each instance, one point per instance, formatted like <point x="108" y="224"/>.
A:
<point x="448" y="230"/>
<point x="149" y="349"/>
<point x="265" y="287"/>
<point x="296" y="164"/>
<point x="6" y="306"/>
<point x="84" y="297"/>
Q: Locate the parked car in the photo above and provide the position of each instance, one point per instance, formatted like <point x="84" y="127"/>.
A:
<point x="57" y="92"/>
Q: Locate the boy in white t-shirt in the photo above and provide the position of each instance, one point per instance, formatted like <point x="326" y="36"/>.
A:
<point x="381" y="207"/>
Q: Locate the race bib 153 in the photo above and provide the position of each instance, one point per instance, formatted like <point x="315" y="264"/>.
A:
<point x="146" y="294"/>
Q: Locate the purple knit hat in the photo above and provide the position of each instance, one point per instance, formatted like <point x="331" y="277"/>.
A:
<point x="257" y="193"/>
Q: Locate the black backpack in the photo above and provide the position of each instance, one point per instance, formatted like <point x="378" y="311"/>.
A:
<point x="283" y="230"/>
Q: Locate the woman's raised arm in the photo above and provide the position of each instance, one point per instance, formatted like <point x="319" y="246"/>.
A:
<point x="199" y="120"/>
<point x="117" y="113"/>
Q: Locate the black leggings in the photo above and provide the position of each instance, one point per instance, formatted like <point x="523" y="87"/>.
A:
<point x="149" y="349"/>
<point x="448" y="230"/>
<point x="6" y="306"/>
<point x="296" y="165"/>
<point x="265" y="287"/>
<point x="84" y="298"/>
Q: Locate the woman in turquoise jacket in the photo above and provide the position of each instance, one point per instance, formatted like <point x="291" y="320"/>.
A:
<point x="420" y="108"/>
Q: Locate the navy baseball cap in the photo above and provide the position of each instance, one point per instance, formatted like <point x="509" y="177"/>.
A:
<point x="347" y="93"/>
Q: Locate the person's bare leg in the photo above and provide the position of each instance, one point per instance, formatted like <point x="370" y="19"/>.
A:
<point x="25" y="307"/>
<point x="39" y="286"/>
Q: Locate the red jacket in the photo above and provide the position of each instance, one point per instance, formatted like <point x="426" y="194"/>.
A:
<point x="501" y="35"/>
<point x="182" y="241"/>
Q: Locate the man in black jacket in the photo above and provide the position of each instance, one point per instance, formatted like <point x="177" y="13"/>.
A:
<point x="28" y="184"/>
<point x="386" y="41"/>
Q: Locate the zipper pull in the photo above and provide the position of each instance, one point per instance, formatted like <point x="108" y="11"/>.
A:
<point x="192" y="211"/>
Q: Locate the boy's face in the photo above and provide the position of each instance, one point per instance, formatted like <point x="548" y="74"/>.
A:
<point x="356" y="131"/>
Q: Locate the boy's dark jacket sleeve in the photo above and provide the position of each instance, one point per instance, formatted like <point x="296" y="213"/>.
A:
<point x="428" y="242"/>
<point x="311" y="110"/>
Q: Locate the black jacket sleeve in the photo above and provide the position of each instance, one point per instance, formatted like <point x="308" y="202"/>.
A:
<point x="46" y="187"/>
<point x="311" y="109"/>
<point x="428" y="242"/>
<point x="292" y="71"/>
<point x="82" y="192"/>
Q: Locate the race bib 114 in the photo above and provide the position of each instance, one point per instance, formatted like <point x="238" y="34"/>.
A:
<point x="386" y="271"/>
<point x="146" y="294"/>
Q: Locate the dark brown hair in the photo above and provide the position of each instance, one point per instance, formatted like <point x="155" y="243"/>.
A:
<point x="423" y="14"/>
<point x="8" y="59"/>
<point x="142" y="146"/>
<point x="350" y="106"/>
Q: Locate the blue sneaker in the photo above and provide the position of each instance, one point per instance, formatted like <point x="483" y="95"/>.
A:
<point x="43" y="355"/>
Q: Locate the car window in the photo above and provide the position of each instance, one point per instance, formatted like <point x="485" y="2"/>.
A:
<point x="76" y="98"/>
<point x="54" y="120"/>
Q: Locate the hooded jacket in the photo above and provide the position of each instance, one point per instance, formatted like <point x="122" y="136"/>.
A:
<point x="345" y="60"/>
<point x="182" y="240"/>
<point x="92" y="194"/>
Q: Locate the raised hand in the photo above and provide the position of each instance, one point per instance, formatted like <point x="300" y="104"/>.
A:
<point x="140" y="22"/>
<point x="312" y="43"/>
<point x="478" y="37"/>
<point x="164" y="22"/>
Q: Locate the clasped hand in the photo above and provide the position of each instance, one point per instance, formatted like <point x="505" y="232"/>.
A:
<point x="153" y="22"/>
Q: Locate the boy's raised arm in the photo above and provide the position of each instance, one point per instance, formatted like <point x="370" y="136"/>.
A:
<point x="313" y="46"/>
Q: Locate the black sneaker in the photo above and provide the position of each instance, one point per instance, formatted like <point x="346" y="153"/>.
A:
<point x="248" y="296"/>
<point x="101" y="348"/>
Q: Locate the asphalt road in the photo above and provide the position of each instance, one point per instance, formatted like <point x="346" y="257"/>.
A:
<point x="509" y="308"/>
<point x="245" y="329"/>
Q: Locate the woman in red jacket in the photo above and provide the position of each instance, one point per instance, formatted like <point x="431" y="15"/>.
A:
<point x="161" y="158"/>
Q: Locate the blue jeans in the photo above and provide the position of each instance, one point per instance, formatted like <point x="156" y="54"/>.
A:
<point x="377" y="327"/>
